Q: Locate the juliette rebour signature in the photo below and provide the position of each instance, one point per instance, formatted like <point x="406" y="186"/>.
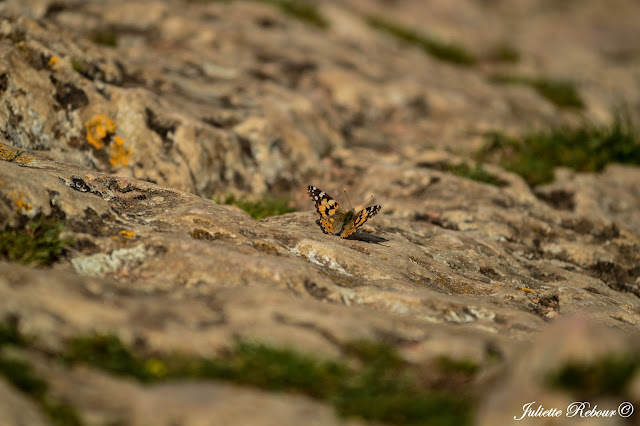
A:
<point x="575" y="409"/>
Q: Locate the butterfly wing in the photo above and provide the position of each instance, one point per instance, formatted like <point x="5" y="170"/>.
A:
<point x="359" y="219"/>
<point x="331" y="214"/>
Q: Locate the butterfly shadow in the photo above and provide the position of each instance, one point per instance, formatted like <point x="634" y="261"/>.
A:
<point x="360" y="236"/>
<point x="367" y="238"/>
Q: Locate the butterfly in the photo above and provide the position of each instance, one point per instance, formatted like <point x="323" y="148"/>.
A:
<point x="336" y="220"/>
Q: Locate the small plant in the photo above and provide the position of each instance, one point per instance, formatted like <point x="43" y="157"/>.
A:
<point x="15" y="156"/>
<point x="448" y="52"/>
<point x="608" y="375"/>
<point x="504" y="53"/>
<point x="39" y="243"/>
<point x="587" y="148"/>
<point x="454" y="366"/>
<point x="105" y="38"/>
<point x="561" y="93"/>
<point x="265" y="207"/>
<point x="477" y="173"/>
<point x="305" y="12"/>
<point x="381" y="388"/>
<point x="10" y="335"/>
<point x="23" y="377"/>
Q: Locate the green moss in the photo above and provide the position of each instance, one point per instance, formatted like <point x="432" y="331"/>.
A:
<point x="609" y="375"/>
<point x="448" y="52"/>
<point x="39" y="243"/>
<point x="477" y="173"/>
<point x="380" y="388"/>
<point x="10" y="335"/>
<point x="79" y="66"/>
<point x="458" y="366"/>
<point x="305" y="12"/>
<point x="105" y="38"/>
<point x="61" y="414"/>
<point x="505" y="53"/>
<point x="561" y="93"/>
<point x="586" y="148"/>
<point x="22" y="376"/>
<point x="108" y="353"/>
<point x="265" y="207"/>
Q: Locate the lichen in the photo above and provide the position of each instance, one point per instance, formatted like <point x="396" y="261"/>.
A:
<point x="13" y="155"/>
<point x="99" y="127"/>
<point x="21" y="205"/>
<point x="119" y="153"/>
<point x="127" y="234"/>
<point x="53" y="62"/>
<point x="101" y="131"/>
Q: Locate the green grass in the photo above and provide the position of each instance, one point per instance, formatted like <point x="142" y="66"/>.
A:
<point x="477" y="173"/>
<point x="105" y="38"/>
<point x="458" y="366"/>
<point x="10" y="335"/>
<point x="39" y="243"/>
<point x="504" y="53"/>
<point x="588" y="148"/>
<point x="22" y="376"/>
<point x="609" y="375"/>
<point x="259" y="209"/>
<point x="562" y="93"/>
<point x="305" y="12"/>
<point x="448" y="52"/>
<point x="379" y="388"/>
<point x="79" y="66"/>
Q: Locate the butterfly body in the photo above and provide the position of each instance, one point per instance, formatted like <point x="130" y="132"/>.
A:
<point x="336" y="220"/>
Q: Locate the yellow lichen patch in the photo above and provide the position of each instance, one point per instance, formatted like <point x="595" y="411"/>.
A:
<point x="119" y="154"/>
<point x="53" y="61"/>
<point x="528" y="290"/>
<point x="17" y="156"/>
<point x="127" y="234"/>
<point x="19" y="201"/>
<point x="98" y="128"/>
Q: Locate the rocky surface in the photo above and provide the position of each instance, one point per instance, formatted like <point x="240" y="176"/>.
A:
<point x="127" y="144"/>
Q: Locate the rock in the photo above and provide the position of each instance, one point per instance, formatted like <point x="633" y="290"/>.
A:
<point x="16" y="409"/>
<point x="124" y="120"/>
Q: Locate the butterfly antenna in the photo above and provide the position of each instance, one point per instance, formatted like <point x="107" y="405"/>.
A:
<point x="345" y="194"/>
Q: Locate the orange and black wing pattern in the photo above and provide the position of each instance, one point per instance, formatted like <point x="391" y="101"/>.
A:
<point x="331" y="214"/>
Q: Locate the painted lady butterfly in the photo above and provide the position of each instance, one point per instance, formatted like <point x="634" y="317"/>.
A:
<point x="336" y="220"/>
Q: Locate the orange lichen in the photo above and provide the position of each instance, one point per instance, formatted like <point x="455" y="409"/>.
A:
<point x="19" y="201"/>
<point x="53" y="61"/>
<point x="127" y="234"/>
<point x="528" y="290"/>
<point x="119" y="154"/>
<point x="11" y="155"/>
<point x="98" y="128"/>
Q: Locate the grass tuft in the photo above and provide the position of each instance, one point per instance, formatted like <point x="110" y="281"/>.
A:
<point x="305" y="12"/>
<point x="504" y="53"/>
<point x="610" y="375"/>
<point x="23" y="377"/>
<point x="381" y="388"/>
<point x="448" y="52"/>
<point x="561" y="93"/>
<point x="105" y="38"/>
<point x="39" y="243"/>
<point x="588" y="148"/>
<point x="259" y="209"/>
